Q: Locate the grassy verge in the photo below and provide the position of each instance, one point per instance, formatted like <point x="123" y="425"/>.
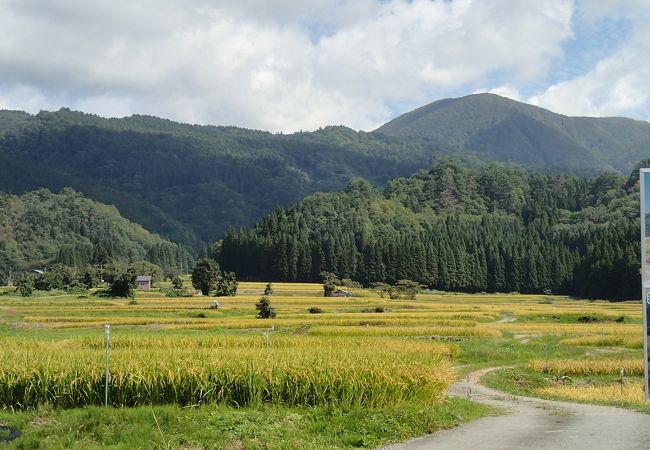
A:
<point x="476" y="353"/>
<point x="266" y="427"/>
<point x="595" y="389"/>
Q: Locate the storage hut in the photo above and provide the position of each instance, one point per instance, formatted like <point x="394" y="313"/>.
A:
<point x="143" y="282"/>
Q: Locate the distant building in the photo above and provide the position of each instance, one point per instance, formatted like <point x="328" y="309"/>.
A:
<point x="144" y="282"/>
<point x="341" y="293"/>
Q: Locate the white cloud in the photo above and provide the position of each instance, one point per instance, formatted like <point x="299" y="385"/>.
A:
<point x="618" y="84"/>
<point x="508" y="91"/>
<point x="282" y="65"/>
<point x="22" y="97"/>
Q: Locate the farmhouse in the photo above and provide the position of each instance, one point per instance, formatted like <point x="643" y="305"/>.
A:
<point x="144" y="282"/>
<point x="342" y="293"/>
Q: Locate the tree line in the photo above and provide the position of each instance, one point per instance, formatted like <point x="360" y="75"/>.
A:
<point x="487" y="229"/>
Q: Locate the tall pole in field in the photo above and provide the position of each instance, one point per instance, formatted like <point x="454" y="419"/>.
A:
<point x="107" y="336"/>
<point x="644" y="184"/>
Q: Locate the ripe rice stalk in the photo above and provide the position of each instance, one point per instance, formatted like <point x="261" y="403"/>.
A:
<point x="630" y="394"/>
<point x="402" y="331"/>
<point x="300" y="371"/>
<point x="606" y="340"/>
<point x="633" y="367"/>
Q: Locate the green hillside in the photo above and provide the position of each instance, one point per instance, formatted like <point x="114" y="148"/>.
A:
<point x="491" y="229"/>
<point x="188" y="183"/>
<point x="40" y="227"/>
<point x="191" y="183"/>
<point x="500" y="129"/>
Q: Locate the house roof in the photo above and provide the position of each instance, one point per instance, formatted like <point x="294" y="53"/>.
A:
<point x="342" y="292"/>
<point x="143" y="278"/>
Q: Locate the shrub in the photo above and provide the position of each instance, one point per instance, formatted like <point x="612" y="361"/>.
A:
<point x="205" y="275"/>
<point x="315" y="310"/>
<point x="264" y="308"/>
<point x="177" y="282"/>
<point x="226" y="285"/>
<point x="122" y="284"/>
<point x="589" y="319"/>
<point x="24" y="285"/>
<point x="181" y="292"/>
<point x="381" y="288"/>
<point x="347" y="282"/>
<point x="330" y="281"/>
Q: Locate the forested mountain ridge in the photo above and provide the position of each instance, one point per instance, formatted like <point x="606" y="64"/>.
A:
<point x="40" y="228"/>
<point x="491" y="229"/>
<point x="500" y="129"/>
<point x="186" y="182"/>
<point x="191" y="183"/>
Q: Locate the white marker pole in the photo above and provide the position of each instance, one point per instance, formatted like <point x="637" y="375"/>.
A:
<point x="107" y="336"/>
<point x="622" y="380"/>
<point x="645" y="276"/>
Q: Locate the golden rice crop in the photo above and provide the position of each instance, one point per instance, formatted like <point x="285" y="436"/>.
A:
<point x="631" y="393"/>
<point x="241" y="323"/>
<point x="607" y="340"/>
<point x="570" y="328"/>
<point x="295" y="371"/>
<point x="587" y="366"/>
<point x="345" y="356"/>
<point x="402" y="331"/>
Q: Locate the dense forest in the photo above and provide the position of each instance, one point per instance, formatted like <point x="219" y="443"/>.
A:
<point x="186" y="183"/>
<point x="191" y="183"/>
<point x="492" y="229"/>
<point x="41" y="228"/>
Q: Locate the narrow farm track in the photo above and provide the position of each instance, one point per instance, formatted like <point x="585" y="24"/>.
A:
<point x="531" y="423"/>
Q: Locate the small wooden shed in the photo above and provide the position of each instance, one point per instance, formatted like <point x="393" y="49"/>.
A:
<point x="143" y="282"/>
<point x="342" y="293"/>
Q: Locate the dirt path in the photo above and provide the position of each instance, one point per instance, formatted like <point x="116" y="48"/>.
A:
<point x="530" y="423"/>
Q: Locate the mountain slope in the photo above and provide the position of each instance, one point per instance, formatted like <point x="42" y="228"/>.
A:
<point x="497" y="128"/>
<point x="191" y="183"/>
<point x="41" y="227"/>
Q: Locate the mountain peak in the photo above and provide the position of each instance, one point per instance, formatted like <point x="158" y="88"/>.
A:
<point x="493" y="127"/>
<point x="483" y="109"/>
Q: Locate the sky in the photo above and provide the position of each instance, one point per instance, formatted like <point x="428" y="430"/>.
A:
<point x="290" y="65"/>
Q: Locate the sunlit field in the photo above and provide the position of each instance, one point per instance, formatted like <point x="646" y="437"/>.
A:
<point x="365" y="351"/>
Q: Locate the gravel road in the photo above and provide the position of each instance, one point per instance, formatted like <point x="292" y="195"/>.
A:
<point x="530" y="423"/>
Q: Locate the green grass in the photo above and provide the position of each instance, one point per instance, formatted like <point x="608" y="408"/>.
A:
<point x="266" y="427"/>
<point x="517" y="380"/>
<point x="559" y="317"/>
<point x="521" y="381"/>
<point x="488" y="352"/>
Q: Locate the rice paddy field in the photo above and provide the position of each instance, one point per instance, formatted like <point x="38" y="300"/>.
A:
<point x="354" y="362"/>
